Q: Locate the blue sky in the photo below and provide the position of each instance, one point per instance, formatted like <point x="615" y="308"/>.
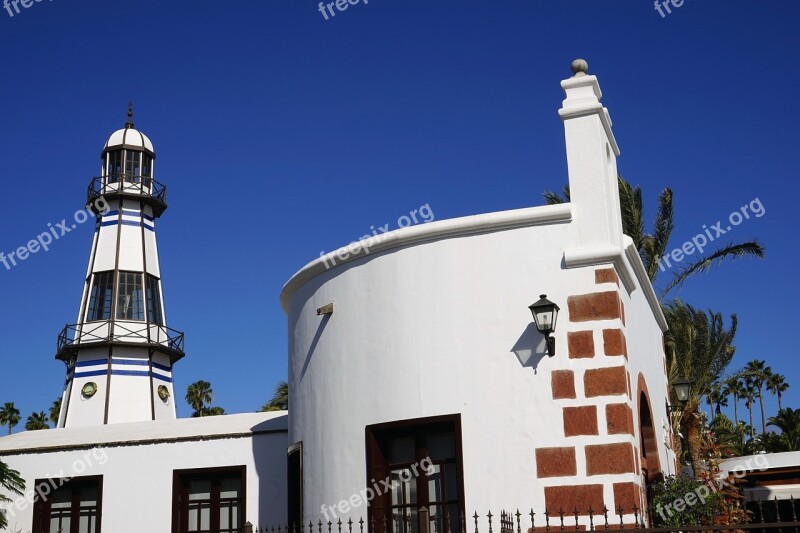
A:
<point x="281" y="134"/>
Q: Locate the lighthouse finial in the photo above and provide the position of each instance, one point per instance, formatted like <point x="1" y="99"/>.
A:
<point x="129" y="123"/>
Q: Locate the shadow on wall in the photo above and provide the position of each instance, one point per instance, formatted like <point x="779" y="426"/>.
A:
<point x="531" y="347"/>
<point x="269" y="453"/>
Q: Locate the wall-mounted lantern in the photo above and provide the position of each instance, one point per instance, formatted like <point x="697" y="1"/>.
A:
<point x="545" y="314"/>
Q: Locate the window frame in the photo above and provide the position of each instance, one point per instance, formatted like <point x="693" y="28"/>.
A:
<point x="42" y="507"/>
<point x="142" y="303"/>
<point x="378" y="463"/>
<point x="157" y="309"/>
<point x="214" y="473"/>
<point x="91" y="307"/>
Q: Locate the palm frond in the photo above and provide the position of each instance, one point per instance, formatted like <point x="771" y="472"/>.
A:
<point x="552" y="198"/>
<point x="731" y="251"/>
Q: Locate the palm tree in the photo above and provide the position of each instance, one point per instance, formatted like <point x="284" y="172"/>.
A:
<point x="280" y="398"/>
<point x="758" y="372"/>
<point x="749" y="399"/>
<point x="716" y="399"/>
<point x="55" y="412"/>
<point x="735" y="388"/>
<point x="36" y="422"/>
<point x="9" y="416"/>
<point x="653" y="246"/>
<point x="210" y="411"/>
<point x="12" y="482"/>
<point x="728" y="436"/>
<point x="776" y="383"/>
<point x="198" y="394"/>
<point x="699" y="347"/>
<point x="788" y="421"/>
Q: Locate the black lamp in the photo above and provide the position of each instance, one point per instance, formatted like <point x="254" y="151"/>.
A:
<point x="545" y="314"/>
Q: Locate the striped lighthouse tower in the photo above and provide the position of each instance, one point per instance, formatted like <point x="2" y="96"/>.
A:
<point x="120" y="353"/>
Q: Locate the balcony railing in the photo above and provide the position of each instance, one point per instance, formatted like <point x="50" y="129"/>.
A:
<point x="144" y="187"/>
<point x="115" y="332"/>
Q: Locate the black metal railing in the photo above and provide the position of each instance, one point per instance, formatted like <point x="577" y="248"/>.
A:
<point x="773" y="516"/>
<point x="128" y="184"/>
<point x="111" y="331"/>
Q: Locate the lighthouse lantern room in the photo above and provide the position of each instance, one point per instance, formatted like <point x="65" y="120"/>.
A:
<point x="120" y="352"/>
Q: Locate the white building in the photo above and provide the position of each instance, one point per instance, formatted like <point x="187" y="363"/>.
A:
<point x="118" y="440"/>
<point x="419" y="345"/>
<point x="420" y="388"/>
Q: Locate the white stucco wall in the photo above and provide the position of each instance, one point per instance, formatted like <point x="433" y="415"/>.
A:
<point x="433" y="320"/>
<point x="138" y="474"/>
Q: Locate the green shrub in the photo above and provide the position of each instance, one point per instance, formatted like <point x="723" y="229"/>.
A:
<point x="683" y="501"/>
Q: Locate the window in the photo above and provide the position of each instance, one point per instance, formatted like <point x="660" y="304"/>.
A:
<point x="130" y="303"/>
<point x="100" y="298"/>
<point x="147" y="169"/>
<point x="421" y="459"/>
<point x="295" y="483"/>
<point x="70" y="506"/>
<point x="208" y="501"/>
<point x="154" y="313"/>
<point x="132" y="169"/>
<point x="114" y="166"/>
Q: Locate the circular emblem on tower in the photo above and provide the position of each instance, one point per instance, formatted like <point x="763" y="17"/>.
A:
<point x="89" y="389"/>
<point x="163" y="392"/>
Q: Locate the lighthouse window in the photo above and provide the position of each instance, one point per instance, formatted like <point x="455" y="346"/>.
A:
<point x="114" y="166"/>
<point x="130" y="303"/>
<point x="100" y="302"/>
<point x="132" y="169"/>
<point x="147" y="168"/>
<point x="154" y="314"/>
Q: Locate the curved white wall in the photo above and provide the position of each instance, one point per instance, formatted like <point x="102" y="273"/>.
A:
<point x="429" y="326"/>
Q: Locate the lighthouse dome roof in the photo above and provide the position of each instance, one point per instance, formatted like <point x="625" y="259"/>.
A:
<point x="129" y="137"/>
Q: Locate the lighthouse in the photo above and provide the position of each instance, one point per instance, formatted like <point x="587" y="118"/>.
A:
<point x="120" y="352"/>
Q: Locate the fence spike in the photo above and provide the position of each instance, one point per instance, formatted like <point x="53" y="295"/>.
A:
<point x="575" y="512"/>
<point x="533" y="523"/>
<point x="519" y="528"/>
<point x="635" y="515"/>
<point x="490" y="520"/>
<point x="591" y="518"/>
<point x="761" y="510"/>
<point x="777" y="511"/>
<point x="547" y="520"/>
<point x="463" y="522"/>
<point x="448" y="525"/>
<point x="330" y="525"/>
<point x="561" y="518"/>
<point x="340" y="525"/>
<point x="476" y="522"/>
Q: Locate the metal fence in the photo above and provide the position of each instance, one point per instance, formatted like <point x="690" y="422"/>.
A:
<point x="773" y="516"/>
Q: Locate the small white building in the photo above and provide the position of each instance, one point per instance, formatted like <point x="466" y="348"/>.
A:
<point x="120" y="460"/>
<point x="421" y="388"/>
<point x="195" y="474"/>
